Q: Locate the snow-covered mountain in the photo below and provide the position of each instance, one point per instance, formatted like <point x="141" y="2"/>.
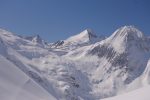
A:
<point x="84" y="38"/>
<point x="124" y="55"/>
<point x="82" y="67"/>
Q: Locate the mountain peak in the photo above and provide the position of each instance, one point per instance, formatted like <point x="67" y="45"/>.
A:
<point x="126" y="37"/>
<point x="89" y="32"/>
<point x="84" y="36"/>
<point x="37" y="39"/>
<point x="129" y="32"/>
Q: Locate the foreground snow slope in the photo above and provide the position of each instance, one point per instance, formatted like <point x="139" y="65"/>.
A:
<point x="15" y="85"/>
<point x="139" y="94"/>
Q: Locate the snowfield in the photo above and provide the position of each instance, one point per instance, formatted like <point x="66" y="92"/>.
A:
<point x="16" y="85"/>
<point x="139" y="94"/>
<point x="83" y="67"/>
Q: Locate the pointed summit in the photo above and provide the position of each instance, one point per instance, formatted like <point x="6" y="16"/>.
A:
<point x="125" y="36"/>
<point x="124" y="39"/>
<point x="85" y="36"/>
<point x="90" y="33"/>
<point x="37" y="39"/>
<point x="128" y="32"/>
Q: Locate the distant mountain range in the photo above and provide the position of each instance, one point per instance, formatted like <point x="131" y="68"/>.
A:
<point x="83" y="67"/>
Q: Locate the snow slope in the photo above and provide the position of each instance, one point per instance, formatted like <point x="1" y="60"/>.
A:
<point x="139" y="94"/>
<point x="16" y="85"/>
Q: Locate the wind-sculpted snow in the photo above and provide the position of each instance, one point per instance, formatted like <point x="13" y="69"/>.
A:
<point x="82" y="67"/>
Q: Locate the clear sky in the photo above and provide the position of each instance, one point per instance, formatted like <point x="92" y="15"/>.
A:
<point x="59" y="19"/>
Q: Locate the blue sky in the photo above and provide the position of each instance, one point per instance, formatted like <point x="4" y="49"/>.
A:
<point x="59" y="19"/>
